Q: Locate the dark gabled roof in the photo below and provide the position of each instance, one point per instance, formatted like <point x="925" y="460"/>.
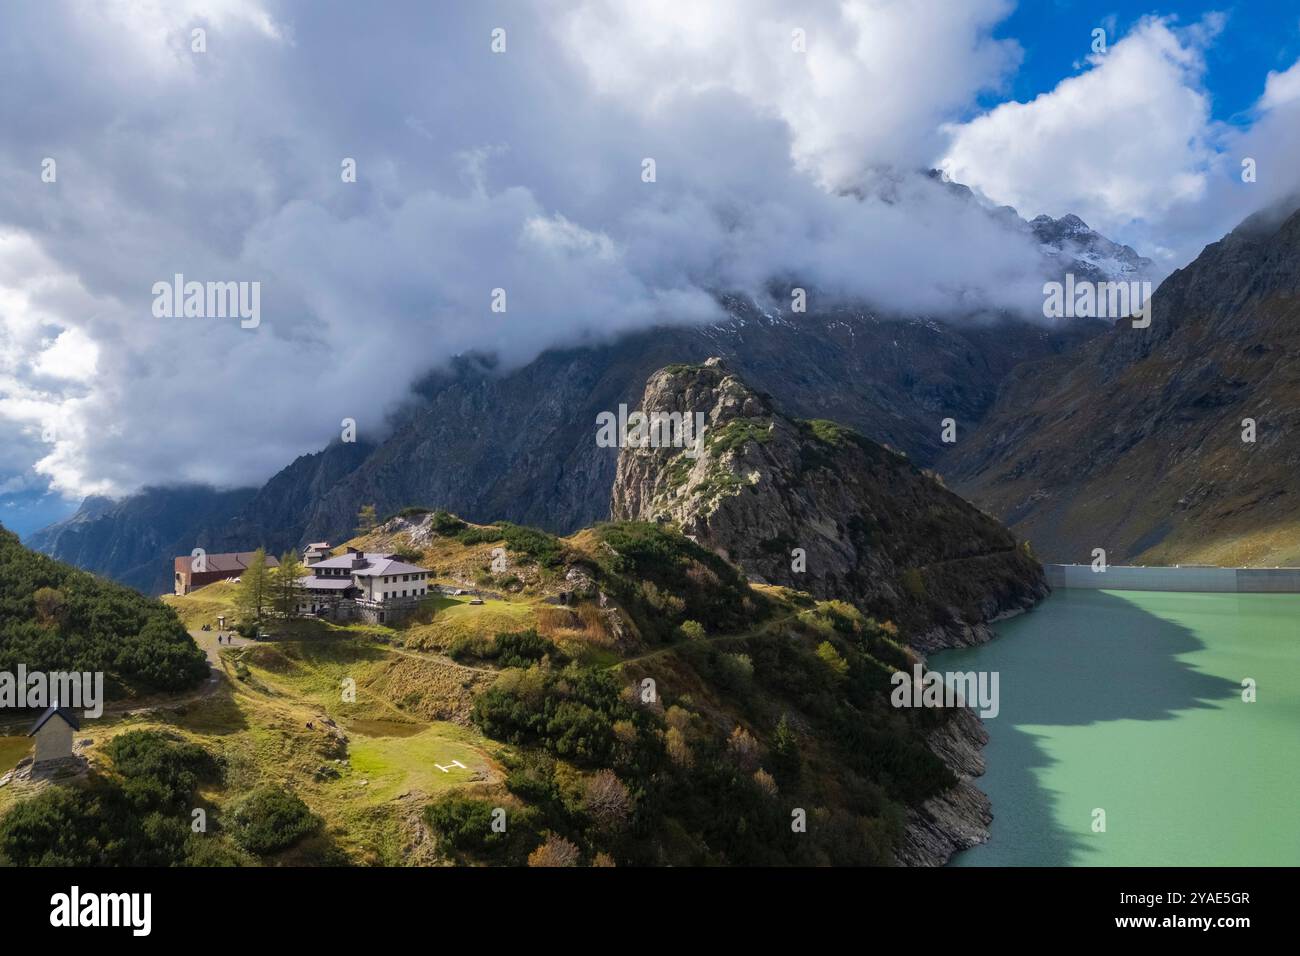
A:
<point x="377" y="564"/>
<point x="63" y="712"/>
<point x="236" y="561"/>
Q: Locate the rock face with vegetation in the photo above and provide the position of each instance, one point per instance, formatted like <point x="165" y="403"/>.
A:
<point x="815" y="506"/>
<point x="1139" y="441"/>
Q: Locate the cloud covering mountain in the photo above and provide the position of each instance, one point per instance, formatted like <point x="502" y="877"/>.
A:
<point x="788" y="146"/>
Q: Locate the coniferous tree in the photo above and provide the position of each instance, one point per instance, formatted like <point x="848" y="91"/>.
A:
<point x="288" y="586"/>
<point x="254" y="596"/>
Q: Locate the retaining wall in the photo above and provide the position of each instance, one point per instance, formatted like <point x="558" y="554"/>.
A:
<point x="1122" y="577"/>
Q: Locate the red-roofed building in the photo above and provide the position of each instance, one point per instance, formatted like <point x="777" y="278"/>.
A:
<point x="195" y="572"/>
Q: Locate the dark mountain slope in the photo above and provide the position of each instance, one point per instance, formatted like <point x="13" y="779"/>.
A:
<point x="134" y="540"/>
<point x="521" y="445"/>
<point x="1133" y="442"/>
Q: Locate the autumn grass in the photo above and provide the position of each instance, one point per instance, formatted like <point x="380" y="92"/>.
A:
<point x="12" y="750"/>
<point x="205" y="605"/>
<point x="465" y="620"/>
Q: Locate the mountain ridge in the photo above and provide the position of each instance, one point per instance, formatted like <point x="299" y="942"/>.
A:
<point x="518" y="445"/>
<point x="1169" y="444"/>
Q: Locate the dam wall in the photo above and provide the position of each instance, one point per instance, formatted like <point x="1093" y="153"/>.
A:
<point x="1124" y="577"/>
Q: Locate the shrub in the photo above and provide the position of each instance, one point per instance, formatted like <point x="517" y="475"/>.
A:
<point x="570" y="712"/>
<point x="554" y="851"/>
<point x="270" y="819"/>
<point x="464" y="825"/>
<point x="160" y="769"/>
<point x="516" y="649"/>
<point x="914" y="583"/>
<point x="523" y="648"/>
<point x="446" y="524"/>
<point x="693" y="630"/>
<point x="57" y="827"/>
<point x="832" y="659"/>
<point x="738" y="432"/>
<point x="658" y="573"/>
<point x="54" y="617"/>
<point x="607" y="800"/>
<point x="138" y="821"/>
<point x="786" y="760"/>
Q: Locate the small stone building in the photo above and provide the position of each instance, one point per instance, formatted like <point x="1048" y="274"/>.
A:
<point x="53" y="733"/>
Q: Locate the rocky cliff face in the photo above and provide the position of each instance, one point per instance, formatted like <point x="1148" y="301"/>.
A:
<point x="519" y="445"/>
<point x="1138" y="442"/>
<point x="814" y="506"/>
<point x="958" y="818"/>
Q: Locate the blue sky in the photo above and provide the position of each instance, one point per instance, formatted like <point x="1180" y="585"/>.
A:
<point x="1259" y="35"/>
<point x="522" y="169"/>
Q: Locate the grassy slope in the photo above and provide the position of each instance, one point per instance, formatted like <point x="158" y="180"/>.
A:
<point x="413" y="703"/>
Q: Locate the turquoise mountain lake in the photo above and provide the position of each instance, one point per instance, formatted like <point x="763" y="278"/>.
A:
<point x="1131" y="701"/>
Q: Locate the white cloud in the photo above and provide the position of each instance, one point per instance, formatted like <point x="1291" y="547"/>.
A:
<point x="1131" y="147"/>
<point x="872" y="83"/>
<point x="1124" y="141"/>
<point x="519" y="171"/>
<point x="72" y="355"/>
<point x="1281" y="89"/>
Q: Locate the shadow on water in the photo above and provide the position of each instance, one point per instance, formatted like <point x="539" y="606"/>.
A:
<point x="1080" y="658"/>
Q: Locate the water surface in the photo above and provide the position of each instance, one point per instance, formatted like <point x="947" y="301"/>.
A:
<point x="1131" y="702"/>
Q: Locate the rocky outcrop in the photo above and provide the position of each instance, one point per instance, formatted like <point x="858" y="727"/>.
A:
<point x="958" y="818"/>
<point x="815" y="506"/>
